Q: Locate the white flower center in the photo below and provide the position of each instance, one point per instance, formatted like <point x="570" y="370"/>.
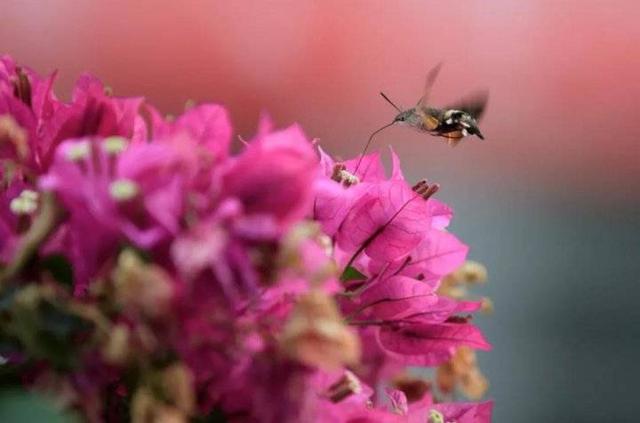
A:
<point x="78" y="151"/>
<point x="123" y="189"/>
<point x="436" y="417"/>
<point x="25" y="203"/>
<point x="114" y="145"/>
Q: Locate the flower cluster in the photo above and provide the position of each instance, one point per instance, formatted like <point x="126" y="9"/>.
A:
<point x="147" y="273"/>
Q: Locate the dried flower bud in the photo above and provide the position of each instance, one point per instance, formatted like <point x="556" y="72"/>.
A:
<point x="304" y="250"/>
<point x="317" y="335"/>
<point x="347" y="385"/>
<point x="487" y="305"/>
<point x="446" y="378"/>
<point x="451" y="290"/>
<point x="141" y="286"/>
<point x="177" y="384"/>
<point x="124" y="344"/>
<point x="471" y="272"/>
<point x="342" y="175"/>
<point x="455" y="284"/>
<point x="462" y="372"/>
<point x="424" y="189"/>
<point x="146" y="408"/>
<point x="474" y="384"/>
<point x="116" y="350"/>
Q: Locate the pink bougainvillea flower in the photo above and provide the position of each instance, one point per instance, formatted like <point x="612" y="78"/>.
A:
<point x="438" y="254"/>
<point x="426" y="316"/>
<point x="462" y="412"/>
<point x="371" y="168"/>
<point x="274" y="176"/>
<point x="441" y="214"/>
<point x="398" y="401"/>
<point x="334" y="199"/>
<point x="386" y="223"/>
<point x="443" y="309"/>
<point x="18" y="203"/>
<point x="207" y="124"/>
<point x="430" y="344"/>
<point x="345" y="399"/>
<point x="113" y="191"/>
<point x="29" y="99"/>
<point x="426" y="410"/>
<point x="91" y="113"/>
<point x="394" y="298"/>
<point x="214" y="257"/>
<point x="331" y="204"/>
<point x="269" y="271"/>
<point x="17" y="120"/>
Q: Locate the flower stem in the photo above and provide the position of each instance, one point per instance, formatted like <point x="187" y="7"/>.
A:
<point x="43" y="226"/>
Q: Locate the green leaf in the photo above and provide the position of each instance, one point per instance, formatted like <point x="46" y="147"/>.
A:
<point x="352" y="274"/>
<point x="60" y="323"/>
<point x="46" y="331"/>
<point x="7" y="296"/>
<point x="20" y="406"/>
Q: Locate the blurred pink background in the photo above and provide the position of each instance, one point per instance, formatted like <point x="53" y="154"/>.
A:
<point x="550" y="201"/>
<point x="563" y="75"/>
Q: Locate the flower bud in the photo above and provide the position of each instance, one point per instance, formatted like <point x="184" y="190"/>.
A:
<point x="347" y="385"/>
<point x="116" y="350"/>
<point x="462" y="371"/>
<point x="317" y="335"/>
<point x="177" y="384"/>
<point x="146" y="408"/>
<point x="141" y="286"/>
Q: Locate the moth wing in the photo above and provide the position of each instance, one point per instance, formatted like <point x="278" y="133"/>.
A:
<point x="432" y="75"/>
<point x="475" y="104"/>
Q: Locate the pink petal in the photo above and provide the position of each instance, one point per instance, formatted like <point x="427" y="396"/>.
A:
<point x="397" y="296"/>
<point x="419" y="339"/>
<point x="439" y="254"/>
<point x="209" y="124"/>
<point x="441" y="214"/>
<point x="370" y="169"/>
<point x="461" y="412"/>
<point x="390" y="218"/>
<point x="396" y="170"/>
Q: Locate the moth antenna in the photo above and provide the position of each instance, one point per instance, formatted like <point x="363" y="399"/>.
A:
<point x="390" y="102"/>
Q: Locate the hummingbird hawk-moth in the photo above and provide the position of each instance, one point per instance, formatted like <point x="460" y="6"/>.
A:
<point x="452" y="122"/>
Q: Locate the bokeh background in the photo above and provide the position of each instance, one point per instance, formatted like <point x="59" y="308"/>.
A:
<point x="550" y="202"/>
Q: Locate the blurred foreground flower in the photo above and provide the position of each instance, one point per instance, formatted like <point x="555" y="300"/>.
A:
<point x="147" y="274"/>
